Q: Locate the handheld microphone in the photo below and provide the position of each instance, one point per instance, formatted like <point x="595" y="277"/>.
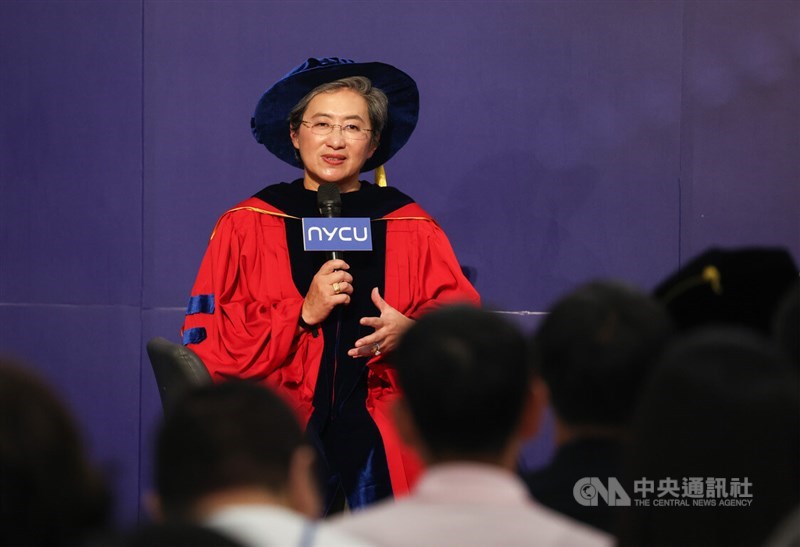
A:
<point x="329" y="203"/>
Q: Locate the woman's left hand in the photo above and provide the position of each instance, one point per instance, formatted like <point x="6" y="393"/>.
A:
<point x="389" y="327"/>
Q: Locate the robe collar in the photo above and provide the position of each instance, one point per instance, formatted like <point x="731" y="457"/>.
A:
<point x="370" y="201"/>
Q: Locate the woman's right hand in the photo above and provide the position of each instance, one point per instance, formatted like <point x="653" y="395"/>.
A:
<point x="331" y="286"/>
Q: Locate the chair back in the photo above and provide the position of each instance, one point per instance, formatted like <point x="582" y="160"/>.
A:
<point x="176" y="368"/>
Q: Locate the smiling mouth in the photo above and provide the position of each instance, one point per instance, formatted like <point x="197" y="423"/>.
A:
<point x="333" y="160"/>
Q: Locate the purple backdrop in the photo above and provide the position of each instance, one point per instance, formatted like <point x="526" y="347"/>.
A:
<point x="558" y="141"/>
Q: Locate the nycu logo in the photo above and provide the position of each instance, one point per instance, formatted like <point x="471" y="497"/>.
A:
<point x="337" y="234"/>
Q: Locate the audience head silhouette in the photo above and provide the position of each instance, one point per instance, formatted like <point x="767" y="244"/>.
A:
<point x="49" y="492"/>
<point x="595" y="349"/>
<point x="232" y="442"/>
<point x="467" y="382"/>
<point x="722" y="405"/>
<point x="470" y="401"/>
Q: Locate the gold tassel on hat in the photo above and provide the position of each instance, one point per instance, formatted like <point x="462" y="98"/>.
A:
<point x="710" y="276"/>
<point x="380" y="176"/>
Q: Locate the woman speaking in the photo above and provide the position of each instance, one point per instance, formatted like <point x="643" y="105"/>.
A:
<point x="315" y="329"/>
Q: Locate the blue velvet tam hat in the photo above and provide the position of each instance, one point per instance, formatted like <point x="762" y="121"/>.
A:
<point x="270" y="123"/>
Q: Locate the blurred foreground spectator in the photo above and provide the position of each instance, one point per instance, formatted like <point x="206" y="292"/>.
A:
<point x="469" y="403"/>
<point x="786" y="325"/>
<point x="50" y="495"/>
<point x="716" y="448"/>
<point x="593" y="351"/>
<point x="176" y="535"/>
<point x="232" y="457"/>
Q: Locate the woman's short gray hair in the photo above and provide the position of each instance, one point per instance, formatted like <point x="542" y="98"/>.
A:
<point x="377" y="103"/>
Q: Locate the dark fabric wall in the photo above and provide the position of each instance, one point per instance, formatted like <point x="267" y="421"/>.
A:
<point x="558" y="141"/>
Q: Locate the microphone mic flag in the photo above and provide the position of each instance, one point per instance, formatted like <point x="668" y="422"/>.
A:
<point x="329" y="203"/>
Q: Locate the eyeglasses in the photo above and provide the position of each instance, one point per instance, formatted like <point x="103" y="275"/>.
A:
<point x="350" y="131"/>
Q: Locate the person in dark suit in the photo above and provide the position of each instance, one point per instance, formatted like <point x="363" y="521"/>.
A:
<point x="593" y="352"/>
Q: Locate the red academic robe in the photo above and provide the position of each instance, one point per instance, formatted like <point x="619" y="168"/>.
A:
<point x="248" y="328"/>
